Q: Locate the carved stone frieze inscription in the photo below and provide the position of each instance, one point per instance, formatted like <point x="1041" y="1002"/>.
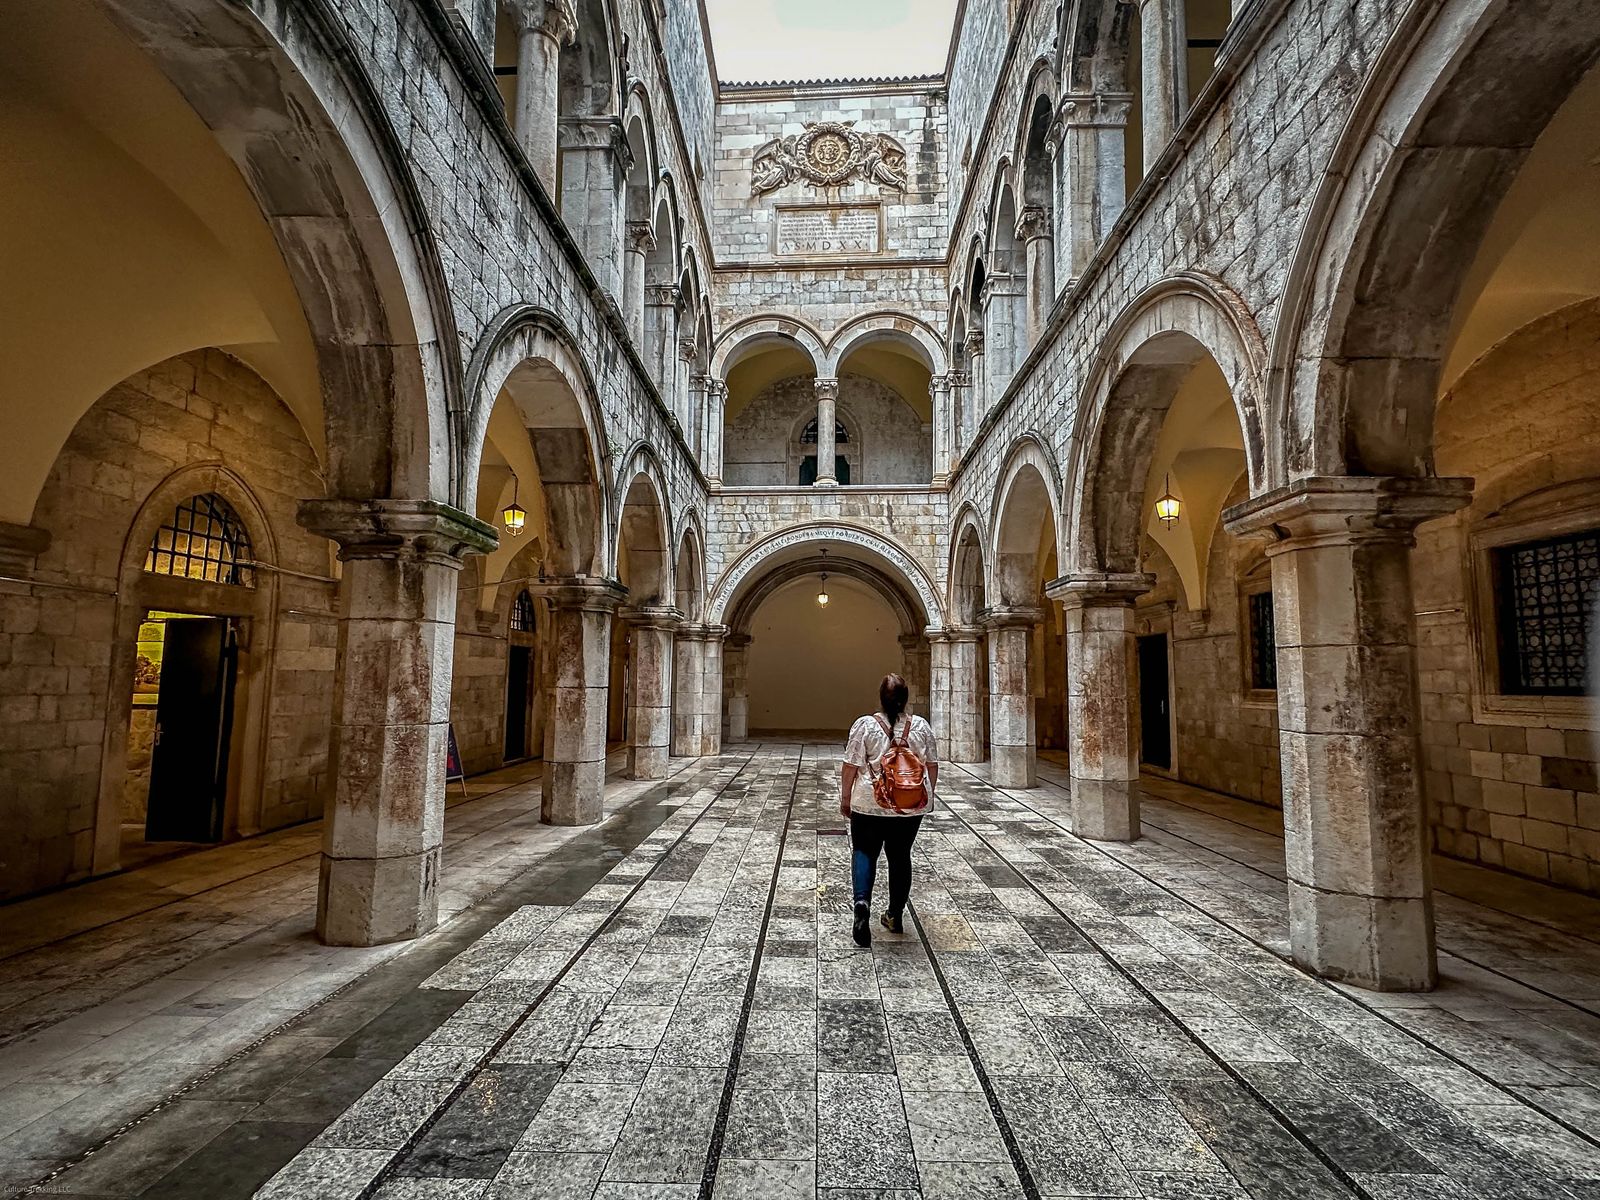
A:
<point x="828" y="229"/>
<point x="829" y="154"/>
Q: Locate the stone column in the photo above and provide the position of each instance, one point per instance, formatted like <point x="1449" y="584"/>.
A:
<point x="1039" y="251"/>
<point x="977" y="405"/>
<point x="1091" y="155"/>
<point x="827" y="451"/>
<point x="1102" y="702"/>
<point x="682" y="397"/>
<point x="543" y="28"/>
<point x="699" y="420"/>
<point x="640" y="240"/>
<point x="1355" y="826"/>
<point x="572" y="789"/>
<point x="650" y="689"/>
<point x="939" y="699"/>
<point x="736" y="685"/>
<point x="716" y="409"/>
<point x="1003" y="323"/>
<point x="960" y="407"/>
<point x="939" y="405"/>
<point x="964" y="733"/>
<point x="1164" y="73"/>
<point x="697" y="691"/>
<point x="915" y="668"/>
<point x="661" y="338"/>
<point x="595" y="161"/>
<point x="384" y="821"/>
<point x="1013" y="754"/>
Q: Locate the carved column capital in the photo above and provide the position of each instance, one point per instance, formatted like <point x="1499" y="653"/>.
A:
<point x="718" y="389"/>
<point x="686" y="349"/>
<point x="1347" y="508"/>
<point x="595" y="133"/>
<point x="1098" y="589"/>
<point x="1011" y="616"/>
<point x="652" y="616"/>
<point x="940" y="384"/>
<point x="662" y="295"/>
<point x="641" y="237"/>
<point x="974" y="343"/>
<point x="1033" y="222"/>
<point x="959" y="379"/>
<point x="587" y="592"/>
<point x="556" y="19"/>
<point x="418" y="529"/>
<point x="827" y="389"/>
<point x="1095" y="110"/>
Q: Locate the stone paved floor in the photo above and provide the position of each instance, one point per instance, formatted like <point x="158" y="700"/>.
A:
<point x="669" y="1006"/>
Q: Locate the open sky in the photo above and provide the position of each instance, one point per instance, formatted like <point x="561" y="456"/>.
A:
<point x="758" y="40"/>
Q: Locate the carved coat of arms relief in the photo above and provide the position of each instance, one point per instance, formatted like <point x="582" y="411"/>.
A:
<point x="829" y="154"/>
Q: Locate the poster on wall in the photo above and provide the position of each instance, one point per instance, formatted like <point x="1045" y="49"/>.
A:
<point x="453" y="772"/>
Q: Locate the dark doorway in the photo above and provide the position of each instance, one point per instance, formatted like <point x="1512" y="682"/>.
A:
<point x="808" y="470"/>
<point x="194" y="721"/>
<point x="517" y="689"/>
<point x="1155" y="741"/>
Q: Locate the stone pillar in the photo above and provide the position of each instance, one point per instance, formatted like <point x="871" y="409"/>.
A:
<point x="1091" y="154"/>
<point x="682" y="398"/>
<point x="1164" y="73"/>
<point x="699" y="387"/>
<point x="595" y="161"/>
<point x="1039" y="252"/>
<point x="939" y="699"/>
<point x="640" y="240"/>
<point x="1013" y="756"/>
<point x="1004" y="323"/>
<point x="697" y="691"/>
<point x="964" y="733"/>
<point x="572" y="789"/>
<point x="960" y="408"/>
<point x="661" y="338"/>
<point x="736" y="685"/>
<point x="384" y="822"/>
<point x="650" y="657"/>
<point x="543" y="28"/>
<point x="1355" y="826"/>
<point x="1102" y="702"/>
<point x="827" y="450"/>
<point x="939" y="405"/>
<point x="716" y="410"/>
<point x="977" y="404"/>
<point x="915" y="668"/>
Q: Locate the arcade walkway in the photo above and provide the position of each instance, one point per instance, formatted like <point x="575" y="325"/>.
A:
<point x="669" y="1005"/>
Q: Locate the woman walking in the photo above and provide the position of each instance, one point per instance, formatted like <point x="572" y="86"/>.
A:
<point x="891" y="763"/>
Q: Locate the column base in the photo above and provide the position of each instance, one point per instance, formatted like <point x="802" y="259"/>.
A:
<point x="1014" y="766"/>
<point x="1377" y="942"/>
<point x="647" y="762"/>
<point x="573" y="793"/>
<point x="372" y="901"/>
<point x="1105" y="810"/>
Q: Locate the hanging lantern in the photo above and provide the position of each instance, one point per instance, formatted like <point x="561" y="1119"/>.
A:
<point x="515" y="516"/>
<point x="1168" y="507"/>
<point x="822" y="592"/>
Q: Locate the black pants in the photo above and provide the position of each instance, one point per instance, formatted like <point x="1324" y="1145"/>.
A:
<point x="893" y="835"/>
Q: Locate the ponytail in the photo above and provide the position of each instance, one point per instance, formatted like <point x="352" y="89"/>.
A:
<point x="893" y="694"/>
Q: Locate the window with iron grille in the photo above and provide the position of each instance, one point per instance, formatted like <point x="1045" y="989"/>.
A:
<point x="522" y="613"/>
<point x="1263" y="643"/>
<point x="203" y="539"/>
<point x="809" y="436"/>
<point x="1545" y="597"/>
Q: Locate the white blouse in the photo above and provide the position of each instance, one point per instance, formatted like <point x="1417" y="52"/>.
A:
<point x="868" y="744"/>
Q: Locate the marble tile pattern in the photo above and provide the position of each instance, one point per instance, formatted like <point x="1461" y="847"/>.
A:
<point x="1060" y="1018"/>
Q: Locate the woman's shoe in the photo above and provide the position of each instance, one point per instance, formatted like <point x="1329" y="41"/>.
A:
<point x="862" y="930"/>
<point x="893" y="924"/>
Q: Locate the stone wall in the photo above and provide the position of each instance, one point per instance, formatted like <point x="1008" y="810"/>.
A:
<point x="689" y="71"/>
<point x="888" y="441"/>
<point x="1511" y="780"/>
<point x="975" y="76"/>
<point x="59" y="644"/>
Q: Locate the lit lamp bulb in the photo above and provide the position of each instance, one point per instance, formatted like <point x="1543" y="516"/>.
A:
<point x="515" y="516"/>
<point x="822" y="592"/>
<point x="1168" y="507"/>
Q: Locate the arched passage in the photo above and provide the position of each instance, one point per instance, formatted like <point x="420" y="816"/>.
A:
<point x="814" y="667"/>
<point x="642" y="642"/>
<point x="773" y="373"/>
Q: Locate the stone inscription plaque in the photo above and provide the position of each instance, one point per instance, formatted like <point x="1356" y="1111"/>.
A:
<point x="829" y="229"/>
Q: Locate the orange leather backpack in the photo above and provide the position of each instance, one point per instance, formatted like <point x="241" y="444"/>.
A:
<point x="899" y="784"/>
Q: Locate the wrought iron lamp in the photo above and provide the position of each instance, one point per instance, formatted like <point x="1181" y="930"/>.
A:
<point x="1169" y="506"/>
<point x="514" y="515"/>
<point x="822" y="592"/>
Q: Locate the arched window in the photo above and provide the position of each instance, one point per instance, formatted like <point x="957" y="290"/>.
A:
<point x="809" y="436"/>
<point x="203" y="539"/>
<point x="522" y="613"/>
